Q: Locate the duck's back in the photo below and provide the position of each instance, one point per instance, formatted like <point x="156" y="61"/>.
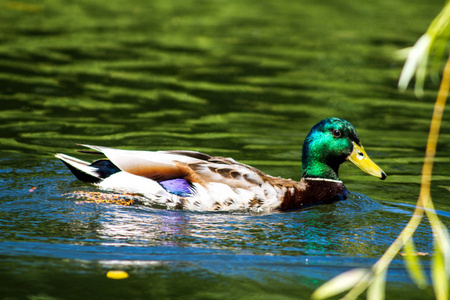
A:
<point x="197" y="181"/>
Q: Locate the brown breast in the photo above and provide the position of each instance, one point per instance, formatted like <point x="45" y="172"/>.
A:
<point x="312" y="191"/>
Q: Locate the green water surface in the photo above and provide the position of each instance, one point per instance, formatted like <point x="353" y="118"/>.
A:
<point x="243" y="79"/>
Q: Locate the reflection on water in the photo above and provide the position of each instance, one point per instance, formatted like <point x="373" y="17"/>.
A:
<point x="240" y="79"/>
<point x="358" y="226"/>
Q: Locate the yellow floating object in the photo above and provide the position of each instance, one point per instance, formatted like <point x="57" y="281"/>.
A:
<point x="117" y="274"/>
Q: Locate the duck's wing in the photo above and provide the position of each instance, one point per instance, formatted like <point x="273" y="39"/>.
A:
<point x="194" y="166"/>
<point x="222" y="170"/>
<point x="156" y="165"/>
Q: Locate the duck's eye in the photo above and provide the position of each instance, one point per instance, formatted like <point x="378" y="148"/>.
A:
<point x="336" y="133"/>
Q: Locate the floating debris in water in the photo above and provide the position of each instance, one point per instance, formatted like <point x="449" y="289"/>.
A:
<point x="99" y="197"/>
<point x="117" y="274"/>
<point x="416" y="253"/>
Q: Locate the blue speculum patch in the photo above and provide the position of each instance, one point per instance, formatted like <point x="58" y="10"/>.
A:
<point x="178" y="186"/>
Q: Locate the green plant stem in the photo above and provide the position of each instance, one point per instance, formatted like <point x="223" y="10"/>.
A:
<point x="433" y="136"/>
<point x="424" y="203"/>
<point x="425" y="186"/>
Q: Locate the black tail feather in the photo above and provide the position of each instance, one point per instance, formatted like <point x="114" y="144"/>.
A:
<point x="90" y="152"/>
<point x="105" y="168"/>
<point x="84" y="171"/>
<point x="80" y="175"/>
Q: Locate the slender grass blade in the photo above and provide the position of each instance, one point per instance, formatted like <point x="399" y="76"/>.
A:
<point x="413" y="265"/>
<point x="340" y="283"/>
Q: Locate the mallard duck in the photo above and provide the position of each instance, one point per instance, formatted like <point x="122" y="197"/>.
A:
<point x="197" y="181"/>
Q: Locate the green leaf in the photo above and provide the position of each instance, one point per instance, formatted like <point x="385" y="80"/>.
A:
<point x="443" y="238"/>
<point x="341" y="283"/>
<point x="434" y="41"/>
<point x="413" y="265"/>
<point x="416" y="62"/>
<point x="376" y="289"/>
<point x="439" y="274"/>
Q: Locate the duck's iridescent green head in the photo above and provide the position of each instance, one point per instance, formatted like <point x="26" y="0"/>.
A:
<point x="331" y="142"/>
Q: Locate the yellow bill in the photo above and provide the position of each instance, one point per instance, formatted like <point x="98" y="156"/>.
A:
<point x="360" y="159"/>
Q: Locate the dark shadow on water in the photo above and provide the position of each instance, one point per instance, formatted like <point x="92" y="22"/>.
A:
<point x="152" y="45"/>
